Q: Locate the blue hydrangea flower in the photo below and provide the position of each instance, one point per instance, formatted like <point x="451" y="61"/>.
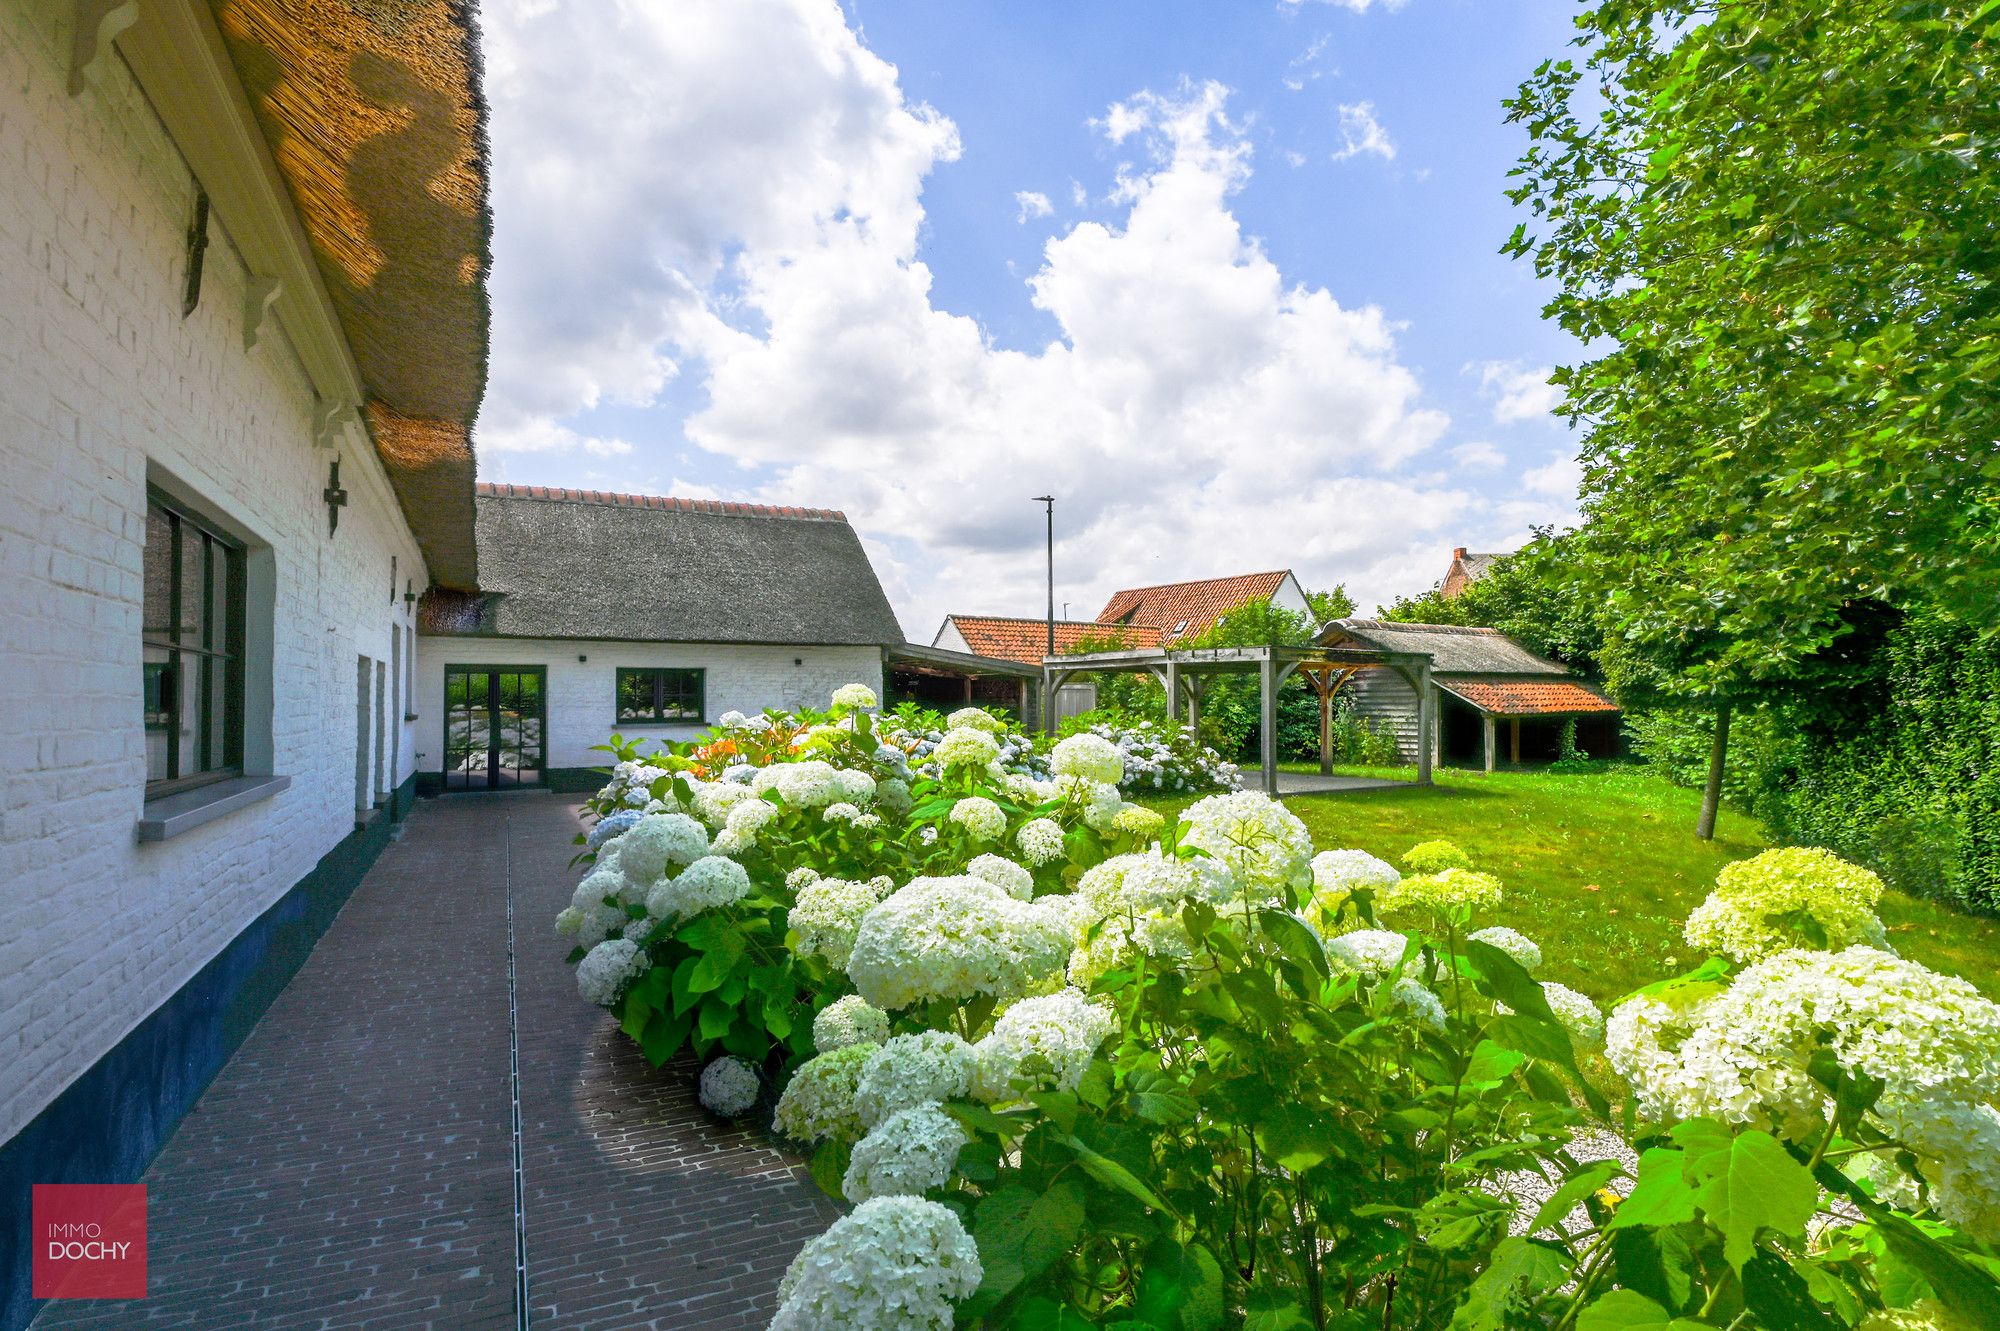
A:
<point x="610" y="826"/>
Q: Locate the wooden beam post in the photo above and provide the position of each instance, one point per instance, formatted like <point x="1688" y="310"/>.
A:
<point x="1489" y="741"/>
<point x="1267" y="710"/>
<point x="1323" y="685"/>
<point x="1195" y="687"/>
<point x="1514" y="740"/>
<point x="1426" y="722"/>
<point x="1024" y="703"/>
<point x="1171" y="680"/>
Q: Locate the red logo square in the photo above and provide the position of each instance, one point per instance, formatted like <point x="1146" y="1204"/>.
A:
<point x="90" y="1241"/>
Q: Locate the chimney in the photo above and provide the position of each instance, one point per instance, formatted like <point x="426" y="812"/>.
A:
<point x="1458" y="554"/>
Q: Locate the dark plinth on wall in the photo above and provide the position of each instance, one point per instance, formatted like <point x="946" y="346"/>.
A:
<point x="110" y="1122"/>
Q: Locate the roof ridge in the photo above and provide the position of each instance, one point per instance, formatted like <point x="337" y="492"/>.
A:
<point x="1411" y="625"/>
<point x="614" y="499"/>
<point x="1196" y="582"/>
<point x="1037" y="619"/>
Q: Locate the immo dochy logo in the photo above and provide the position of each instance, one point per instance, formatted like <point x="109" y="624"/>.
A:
<point x="90" y="1241"/>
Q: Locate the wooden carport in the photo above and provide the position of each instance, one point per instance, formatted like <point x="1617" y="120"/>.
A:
<point x="1184" y="673"/>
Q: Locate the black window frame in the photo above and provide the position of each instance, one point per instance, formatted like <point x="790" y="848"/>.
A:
<point x="658" y="715"/>
<point x="220" y="648"/>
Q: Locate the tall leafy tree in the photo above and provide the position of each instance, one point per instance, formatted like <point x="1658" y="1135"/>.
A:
<point x="1771" y="222"/>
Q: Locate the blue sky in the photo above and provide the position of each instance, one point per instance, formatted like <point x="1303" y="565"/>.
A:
<point x="1223" y="276"/>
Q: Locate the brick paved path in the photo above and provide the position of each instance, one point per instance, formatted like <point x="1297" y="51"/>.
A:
<point x="352" y="1166"/>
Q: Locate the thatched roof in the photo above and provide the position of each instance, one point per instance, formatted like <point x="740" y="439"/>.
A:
<point x="1453" y="649"/>
<point x="583" y="564"/>
<point x="373" y="113"/>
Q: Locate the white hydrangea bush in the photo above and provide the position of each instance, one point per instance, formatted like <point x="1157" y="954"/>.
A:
<point x="999" y="965"/>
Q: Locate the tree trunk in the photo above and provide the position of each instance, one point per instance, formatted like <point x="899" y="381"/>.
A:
<point x="1711" y="795"/>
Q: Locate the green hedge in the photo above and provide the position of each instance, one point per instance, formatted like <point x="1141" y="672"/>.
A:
<point x="1914" y="788"/>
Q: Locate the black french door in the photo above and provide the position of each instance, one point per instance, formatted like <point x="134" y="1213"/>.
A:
<point x="493" y="726"/>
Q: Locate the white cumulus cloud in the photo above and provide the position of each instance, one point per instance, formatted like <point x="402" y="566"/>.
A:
<point x="1361" y="134"/>
<point x="733" y="200"/>
<point x="1518" y="392"/>
<point x="1030" y="203"/>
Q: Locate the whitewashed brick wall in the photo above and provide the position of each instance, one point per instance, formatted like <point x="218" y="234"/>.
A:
<point x="100" y="377"/>
<point x="581" y="702"/>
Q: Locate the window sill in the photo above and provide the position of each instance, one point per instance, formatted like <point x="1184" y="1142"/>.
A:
<point x="659" y="725"/>
<point x="171" y="815"/>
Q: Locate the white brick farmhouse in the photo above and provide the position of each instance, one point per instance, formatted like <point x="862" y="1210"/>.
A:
<point x="638" y="614"/>
<point x="242" y="340"/>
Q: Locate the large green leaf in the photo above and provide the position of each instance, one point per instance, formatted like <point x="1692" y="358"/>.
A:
<point x="1745" y="1182"/>
<point x="1662" y="1196"/>
<point x="1028" y="1229"/>
<point x="1624" y="1310"/>
<point x="1519" y="1270"/>
<point x="1572" y="1192"/>
<point x="1106" y="1170"/>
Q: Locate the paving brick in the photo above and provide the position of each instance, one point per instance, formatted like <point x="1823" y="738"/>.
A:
<point x="352" y="1165"/>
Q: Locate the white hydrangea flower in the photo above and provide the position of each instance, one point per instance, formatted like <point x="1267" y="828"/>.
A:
<point x="1040" y="840"/>
<point x="1759" y="905"/>
<point x="731" y="842"/>
<point x="882" y="885"/>
<point x="840" y="812"/>
<point x="849" y="1020"/>
<point x="892" y="1264"/>
<point x="607" y="968"/>
<point x="981" y="817"/>
<point x="1741" y="1054"/>
<point x="657" y="840"/>
<point x="714" y="800"/>
<point x="598" y="887"/>
<point x="750" y="817"/>
<point x="1090" y="757"/>
<point x="966" y="747"/>
<point x="855" y="787"/>
<point x="906" y="1154"/>
<point x="1004" y="874"/>
<point x="1345" y="871"/>
<point x="954" y="938"/>
<point x="1426" y="1007"/>
<point x="1373" y="952"/>
<point x="711" y="881"/>
<point x="1518" y="946"/>
<point x="729" y="1087"/>
<point x="818" y="1102"/>
<point x="801" y="877"/>
<point x="1042" y="1043"/>
<point x="893" y="796"/>
<point x="803" y="785"/>
<point x="909" y="1070"/>
<point x="1136" y="820"/>
<point x="1583" y="1019"/>
<point x="732" y="720"/>
<point x="973" y="718"/>
<point x="1443" y="892"/>
<point x="856" y="696"/>
<point x="827" y="916"/>
<point x="568" y="921"/>
<point x="1958" y="1153"/>
<point x="1262" y="843"/>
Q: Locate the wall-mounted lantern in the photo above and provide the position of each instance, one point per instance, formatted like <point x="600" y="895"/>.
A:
<point x="335" y="497"/>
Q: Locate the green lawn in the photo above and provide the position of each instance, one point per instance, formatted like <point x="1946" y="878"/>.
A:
<point x="1601" y="868"/>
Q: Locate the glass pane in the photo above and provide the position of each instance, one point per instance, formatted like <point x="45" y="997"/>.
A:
<point x="216" y="721"/>
<point x="158" y="571"/>
<point x="531" y="721"/>
<point x="159" y="718"/>
<point x="194" y="583"/>
<point x="188" y="672"/>
<point x="635" y="695"/>
<point x="218" y="595"/>
<point x="680" y="695"/>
